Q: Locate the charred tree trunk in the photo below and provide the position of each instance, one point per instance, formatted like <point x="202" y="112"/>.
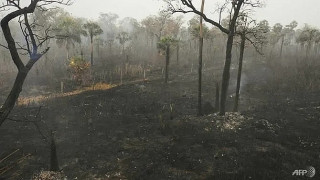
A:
<point x="217" y="108"/>
<point x="54" y="165"/>
<point x="81" y="54"/>
<point x="110" y="49"/>
<point x="226" y="74"/>
<point x="91" y="40"/>
<point x="281" y="47"/>
<point x="98" y="48"/>
<point x="200" y="63"/>
<point x="242" y="46"/>
<point x="8" y="105"/>
<point x="67" y="52"/>
<point x="200" y="77"/>
<point x="227" y="65"/>
<point x="178" y="51"/>
<point x="308" y="49"/>
<point x="167" y="63"/>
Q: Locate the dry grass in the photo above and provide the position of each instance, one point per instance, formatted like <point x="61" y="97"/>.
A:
<point x="35" y="100"/>
<point x="11" y="162"/>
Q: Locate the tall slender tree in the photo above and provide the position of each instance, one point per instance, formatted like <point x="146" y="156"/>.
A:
<point x="200" y="62"/>
<point x="248" y="30"/>
<point x="165" y="45"/>
<point x="93" y="29"/>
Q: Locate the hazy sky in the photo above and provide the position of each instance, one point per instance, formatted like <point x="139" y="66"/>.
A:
<point x="283" y="11"/>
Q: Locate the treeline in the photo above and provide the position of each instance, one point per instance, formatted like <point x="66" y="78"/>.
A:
<point x="110" y="42"/>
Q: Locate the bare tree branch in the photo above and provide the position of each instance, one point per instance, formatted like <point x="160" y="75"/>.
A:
<point x="1" y="45"/>
<point x="192" y="9"/>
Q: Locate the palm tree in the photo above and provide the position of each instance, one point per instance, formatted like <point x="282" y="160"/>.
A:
<point x="69" y="31"/>
<point x="123" y="37"/>
<point x="308" y="36"/>
<point x="164" y="45"/>
<point x="93" y="30"/>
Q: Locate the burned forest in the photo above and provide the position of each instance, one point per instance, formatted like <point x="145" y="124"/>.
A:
<point x="159" y="89"/>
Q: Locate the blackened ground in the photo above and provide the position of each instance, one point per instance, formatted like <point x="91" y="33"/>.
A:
<point x="148" y="130"/>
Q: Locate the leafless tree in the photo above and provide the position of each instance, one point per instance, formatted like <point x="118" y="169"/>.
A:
<point x="34" y="44"/>
<point x="200" y="62"/>
<point x="248" y="31"/>
<point x="187" y="6"/>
